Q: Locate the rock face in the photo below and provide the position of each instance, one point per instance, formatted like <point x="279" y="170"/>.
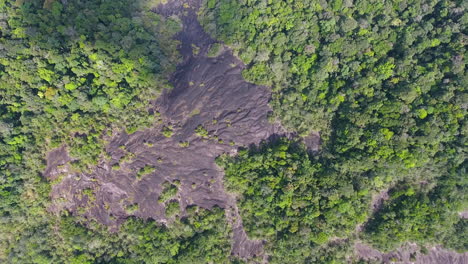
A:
<point x="209" y="94"/>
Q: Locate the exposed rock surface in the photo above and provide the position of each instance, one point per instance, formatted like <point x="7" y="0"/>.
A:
<point x="57" y="163"/>
<point x="208" y="92"/>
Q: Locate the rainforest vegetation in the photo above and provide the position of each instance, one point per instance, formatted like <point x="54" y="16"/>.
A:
<point x="383" y="82"/>
<point x="294" y="202"/>
<point x="202" y="236"/>
<point x="71" y="74"/>
<point x="303" y="206"/>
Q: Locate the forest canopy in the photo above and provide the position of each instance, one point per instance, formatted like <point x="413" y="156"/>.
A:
<point x="71" y="72"/>
<point x="306" y="210"/>
<point x="383" y="83"/>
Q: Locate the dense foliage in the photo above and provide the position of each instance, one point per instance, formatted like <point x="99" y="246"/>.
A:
<point x="292" y="202"/>
<point x="71" y="72"/>
<point x="79" y="67"/>
<point x="202" y="236"/>
<point x="384" y="82"/>
<point x="357" y="62"/>
<point x="301" y="208"/>
<point x="424" y="214"/>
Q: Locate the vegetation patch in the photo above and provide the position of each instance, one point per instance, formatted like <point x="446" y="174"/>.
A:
<point x="71" y="74"/>
<point x="291" y="201"/>
<point x="384" y="84"/>
<point x="184" y="144"/>
<point x="172" y="208"/>
<point x="202" y="132"/>
<point x="215" y="50"/>
<point x="145" y="171"/>
<point x="132" y="208"/>
<point x="169" y="191"/>
<point x="202" y="237"/>
<point x="167" y="131"/>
